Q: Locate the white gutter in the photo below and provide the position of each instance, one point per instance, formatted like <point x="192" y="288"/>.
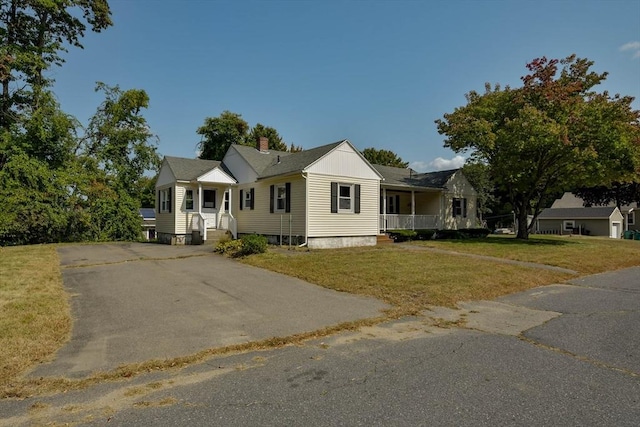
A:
<point x="306" y="210"/>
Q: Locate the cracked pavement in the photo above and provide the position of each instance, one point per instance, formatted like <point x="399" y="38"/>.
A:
<point x="556" y="355"/>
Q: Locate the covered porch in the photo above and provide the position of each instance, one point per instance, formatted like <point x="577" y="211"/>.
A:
<point x="410" y="209"/>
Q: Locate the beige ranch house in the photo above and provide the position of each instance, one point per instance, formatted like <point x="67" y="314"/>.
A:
<point x="324" y="197"/>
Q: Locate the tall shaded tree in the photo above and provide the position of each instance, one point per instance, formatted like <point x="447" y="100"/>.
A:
<point x="33" y="36"/>
<point x="218" y="133"/>
<point x="553" y="133"/>
<point x="384" y="158"/>
<point x="619" y="193"/>
<point x="275" y="140"/>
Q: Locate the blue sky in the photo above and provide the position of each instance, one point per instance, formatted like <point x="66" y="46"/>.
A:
<point x="375" y="72"/>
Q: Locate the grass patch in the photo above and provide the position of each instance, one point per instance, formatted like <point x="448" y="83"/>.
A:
<point x="34" y="312"/>
<point x="586" y="255"/>
<point x="408" y="279"/>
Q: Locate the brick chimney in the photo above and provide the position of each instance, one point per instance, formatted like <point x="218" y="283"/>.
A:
<point x="263" y="144"/>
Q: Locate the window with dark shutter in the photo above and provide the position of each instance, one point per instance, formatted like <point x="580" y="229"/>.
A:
<point x="241" y="200"/>
<point x="334" y="197"/>
<point x="287" y="207"/>
<point x="356" y="207"/>
<point x="271" y="198"/>
<point x="253" y="195"/>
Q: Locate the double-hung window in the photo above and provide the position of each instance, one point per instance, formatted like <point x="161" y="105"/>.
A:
<point x="280" y="198"/>
<point x="164" y="200"/>
<point x="188" y="200"/>
<point x="246" y="198"/>
<point x="459" y="207"/>
<point x="345" y="198"/>
<point x="631" y="216"/>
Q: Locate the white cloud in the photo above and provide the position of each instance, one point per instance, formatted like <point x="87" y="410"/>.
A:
<point x="632" y="46"/>
<point x="438" y="164"/>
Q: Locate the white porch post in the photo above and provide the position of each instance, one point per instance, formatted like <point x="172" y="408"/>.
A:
<point x="199" y="198"/>
<point x="230" y="204"/>
<point x="413" y="210"/>
<point x="202" y="221"/>
<point x="384" y="209"/>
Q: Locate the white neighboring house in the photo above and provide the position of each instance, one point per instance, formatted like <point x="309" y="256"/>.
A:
<point x="325" y="197"/>
<point x="193" y="196"/>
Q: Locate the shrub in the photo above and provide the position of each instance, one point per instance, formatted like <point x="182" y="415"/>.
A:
<point x="403" y="235"/>
<point x="228" y="247"/>
<point x="253" y="244"/>
<point x="426" y="234"/>
<point x="449" y="234"/>
<point x="475" y="233"/>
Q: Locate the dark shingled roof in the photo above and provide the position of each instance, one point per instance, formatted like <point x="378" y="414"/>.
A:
<point x="147" y="213"/>
<point x="407" y="177"/>
<point x="266" y="163"/>
<point x="577" y="213"/>
<point x="190" y="169"/>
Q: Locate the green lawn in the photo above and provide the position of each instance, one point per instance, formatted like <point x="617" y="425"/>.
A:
<point x="587" y="255"/>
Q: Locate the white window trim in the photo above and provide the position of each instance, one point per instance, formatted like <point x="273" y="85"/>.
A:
<point x="351" y="198"/>
<point x="568" y="225"/>
<point x="631" y="218"/>
<point x="186" y="199"/>
<point x="164" y="201"/>
<point x="246" y="203"/>
<point x="277" y="198"/>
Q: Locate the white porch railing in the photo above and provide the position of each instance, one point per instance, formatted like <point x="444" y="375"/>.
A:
<point x="228" y="222"/>
<point x="199" y="223"/>
<point x="407" y="222"/>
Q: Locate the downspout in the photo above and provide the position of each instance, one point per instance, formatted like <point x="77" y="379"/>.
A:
<point x="306" y="211"/>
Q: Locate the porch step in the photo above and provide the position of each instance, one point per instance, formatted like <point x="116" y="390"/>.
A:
<point x="383" y="239"/>
<point x="214" y="235"/>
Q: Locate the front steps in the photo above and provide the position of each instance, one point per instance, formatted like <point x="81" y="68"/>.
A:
<point x="213" y="237"/>
<point x="383" y="239"/>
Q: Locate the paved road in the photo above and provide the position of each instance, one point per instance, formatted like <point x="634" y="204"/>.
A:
<point x="136" y="302"/>
<point x="563" y="355"/>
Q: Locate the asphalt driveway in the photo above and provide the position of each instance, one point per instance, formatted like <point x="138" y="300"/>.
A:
<point x="135" y="302"/>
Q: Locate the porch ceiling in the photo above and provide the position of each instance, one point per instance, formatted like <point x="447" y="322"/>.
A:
<point x="410" y="188"/>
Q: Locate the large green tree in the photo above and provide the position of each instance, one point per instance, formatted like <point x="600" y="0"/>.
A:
<point x="33" y="36"/>
<point x="384" y="158"/>
<point x="275" y="140"/>
<point x="218" y="133"/>
<point x="553" y="133"/>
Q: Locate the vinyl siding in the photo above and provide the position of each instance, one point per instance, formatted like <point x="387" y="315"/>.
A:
<point x="239" y="167"/>
<point x="323" y="223"/>
<point x="459" y="187"/>
<point x="165" y="221"/>
<point x="343" y="161"/>
<point x="260" y="220"/>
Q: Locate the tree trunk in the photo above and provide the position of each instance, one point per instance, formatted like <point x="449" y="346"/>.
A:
<point x="523" y="227"/>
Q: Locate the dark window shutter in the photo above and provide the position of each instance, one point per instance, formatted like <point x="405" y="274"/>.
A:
<point x="241" y="199"/>
<point x="397" y="204"/>
<point x="334" y="197"/>
<point x="169" y="201"/>
<point x="253" y="194"/>
<point x="271" y="201"/>
<point x="287" y="201"/>
<point x="381" y="205"/>
<point x="464" y="208"/>
<point x="356" y="208"/>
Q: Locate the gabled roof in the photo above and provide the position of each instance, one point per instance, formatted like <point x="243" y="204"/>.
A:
<point x="602" y="212"/>
<point x="570" y="200"/>
<point x="273" y="163"/>
<point x="147" y="213"/>
<point x="190" y="169"/>
<point x="259" y="160"/>
<point x="407" y="177"/>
